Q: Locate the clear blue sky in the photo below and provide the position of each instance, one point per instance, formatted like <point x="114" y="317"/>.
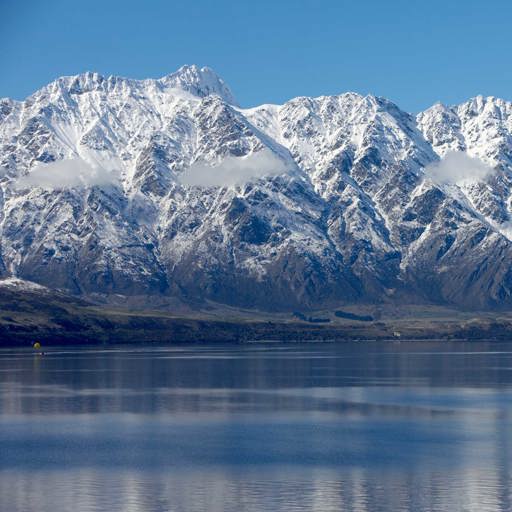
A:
<point x="413" y="52"/>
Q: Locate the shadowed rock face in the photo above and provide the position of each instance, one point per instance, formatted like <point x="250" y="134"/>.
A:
<point x="350" y="216"/>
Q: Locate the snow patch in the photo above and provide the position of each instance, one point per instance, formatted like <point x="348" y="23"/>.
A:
<point x="21" y="284"/>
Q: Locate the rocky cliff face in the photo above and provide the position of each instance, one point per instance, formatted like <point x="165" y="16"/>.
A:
<point x="167" y="187"/>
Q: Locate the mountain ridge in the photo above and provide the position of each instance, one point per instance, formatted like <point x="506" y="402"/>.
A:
<point x="340" y="207"/>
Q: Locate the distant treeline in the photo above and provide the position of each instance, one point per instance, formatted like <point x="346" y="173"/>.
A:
<point x="353" y="316"/>
<point x="338" y="313"/>
<point x="301" y="316"/>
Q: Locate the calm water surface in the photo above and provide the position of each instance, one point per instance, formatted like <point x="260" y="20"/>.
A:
<point x="332" y="427"/>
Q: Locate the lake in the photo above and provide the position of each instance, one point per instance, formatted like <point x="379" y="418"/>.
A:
<point x="405" y="426"/>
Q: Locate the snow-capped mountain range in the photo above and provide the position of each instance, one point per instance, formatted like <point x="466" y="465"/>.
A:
<point x="168" y="188"/>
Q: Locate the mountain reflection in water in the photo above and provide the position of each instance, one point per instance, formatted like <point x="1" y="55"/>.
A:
<point x="353" y="426"/>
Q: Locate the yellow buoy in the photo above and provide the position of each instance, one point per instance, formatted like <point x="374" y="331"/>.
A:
<point x="37" y="345"/>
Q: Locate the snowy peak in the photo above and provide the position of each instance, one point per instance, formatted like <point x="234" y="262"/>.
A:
<point x="200" y="82"/>
<point x="481" y="126"/>
<point x="196" y="81"/>
<point x="70" y="85"/>
<point x="441" y="127"/>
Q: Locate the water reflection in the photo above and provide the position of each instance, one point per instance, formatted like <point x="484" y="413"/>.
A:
<point x="365" y="427"/>
<point x="354" y="489"/>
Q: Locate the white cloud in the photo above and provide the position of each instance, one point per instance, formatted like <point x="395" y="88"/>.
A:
<point x="234" y="170"/>
<point x="72" y="173"/>
<point x="458" y="167"/>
